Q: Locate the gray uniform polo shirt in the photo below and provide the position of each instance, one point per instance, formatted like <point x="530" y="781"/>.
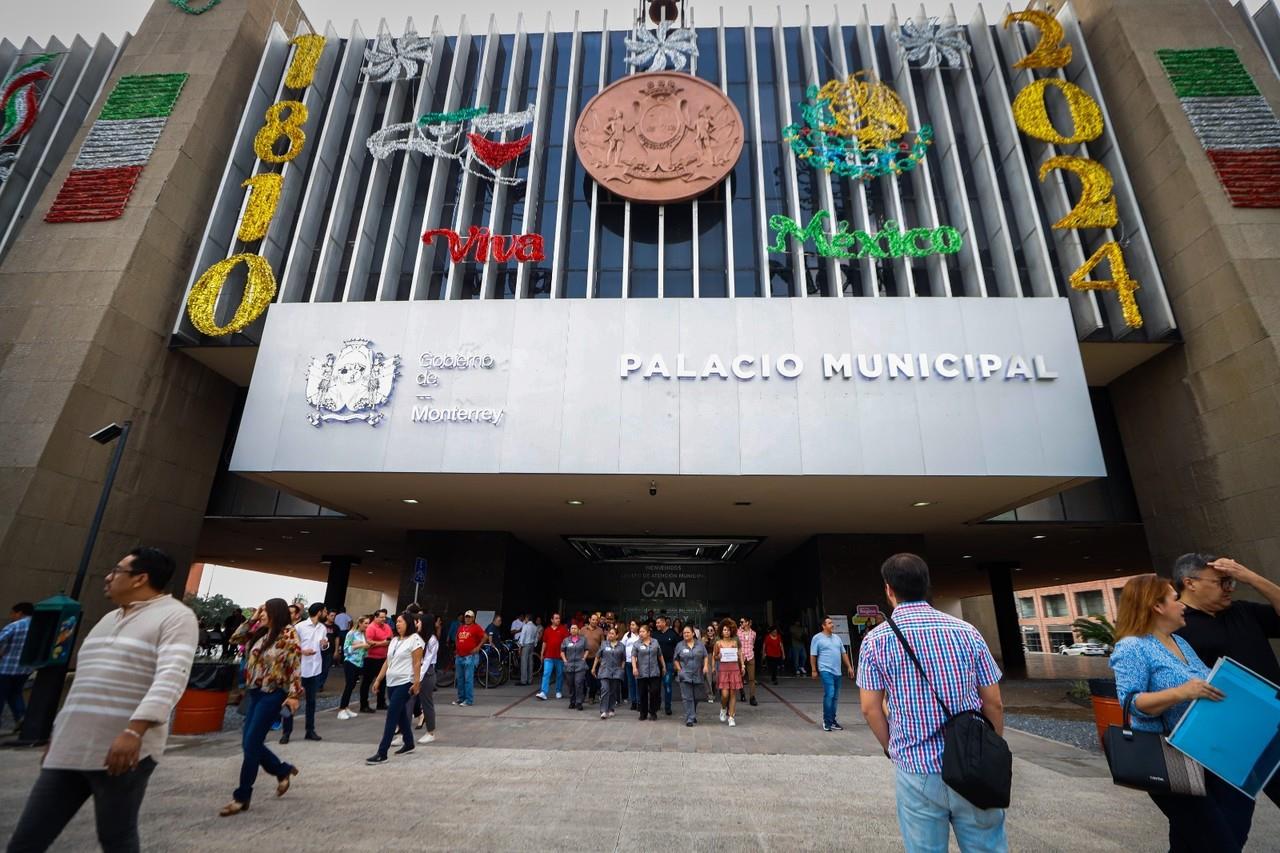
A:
<point x="646" y="659"/>
<point x="611" y="660"/>
<point x="575" y="654"/>
<point x="691" y="660"/>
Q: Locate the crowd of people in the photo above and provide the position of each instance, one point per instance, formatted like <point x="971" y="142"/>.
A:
<point x="915" y="673"/>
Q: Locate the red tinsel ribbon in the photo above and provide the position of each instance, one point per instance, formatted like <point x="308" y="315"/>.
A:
<point x="495" y="155"/>
<point x="94" y="195"/>
<point x="1250" y="177"/>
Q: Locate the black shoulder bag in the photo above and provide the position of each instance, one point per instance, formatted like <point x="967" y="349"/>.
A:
<point x="976" y="762"/>
<point x="1146" y="761"/>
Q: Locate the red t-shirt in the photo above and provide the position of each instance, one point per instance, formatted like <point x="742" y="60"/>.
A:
<point x="552" y="637"/>
<point x="470" y="638"/>
<point x="374" y="633"/>
<point x="773" y="646"/>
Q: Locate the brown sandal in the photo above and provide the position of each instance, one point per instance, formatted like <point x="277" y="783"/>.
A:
<point x="282" y="786"/>
<point x="233" y="807"/>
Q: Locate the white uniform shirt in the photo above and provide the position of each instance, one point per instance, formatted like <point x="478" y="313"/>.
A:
<point x="528" y="634"/>
<point x="312" y="636"/>
<point x="400" y="659"/>
<point x="429" y="656"/>
<point x="516" y="625"/>
<point x="629" y="639"/>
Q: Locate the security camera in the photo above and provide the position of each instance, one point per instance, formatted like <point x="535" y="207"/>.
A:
<point x="653" y="489"/>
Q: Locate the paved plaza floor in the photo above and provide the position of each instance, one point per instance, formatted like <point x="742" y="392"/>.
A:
<point x="515" y="773"/>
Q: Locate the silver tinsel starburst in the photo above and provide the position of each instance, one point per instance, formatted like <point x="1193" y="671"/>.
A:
<point x="662" y="48"/>
<point x="926" y="43"/>
<point x="396" y="58"/>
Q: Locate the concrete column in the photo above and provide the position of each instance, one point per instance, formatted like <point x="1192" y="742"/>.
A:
<point x="86" y="311"/>
<point x="335" y="594"/>
<point x="1013" y="659"/>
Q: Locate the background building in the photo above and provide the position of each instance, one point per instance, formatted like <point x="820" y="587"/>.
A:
<point x="777" y="495"/>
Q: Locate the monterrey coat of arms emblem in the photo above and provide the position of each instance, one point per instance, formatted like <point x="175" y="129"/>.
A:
<point x="351" y="385"/>
<point x="659" y="138"/>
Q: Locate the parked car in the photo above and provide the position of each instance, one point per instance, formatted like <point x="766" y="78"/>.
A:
<point x="1091" y="649"/>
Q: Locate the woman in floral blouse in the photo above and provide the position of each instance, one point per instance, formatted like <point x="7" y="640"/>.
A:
<point x="272" y="679"/>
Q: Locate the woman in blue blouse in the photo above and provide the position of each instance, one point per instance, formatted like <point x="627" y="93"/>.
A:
<point x="1163" y="675"/>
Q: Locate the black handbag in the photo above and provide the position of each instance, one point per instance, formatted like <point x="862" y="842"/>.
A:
<point x="1145" y="761"/>
<point x="976" y="762"/>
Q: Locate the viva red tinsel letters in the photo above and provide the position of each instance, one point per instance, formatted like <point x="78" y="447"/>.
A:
<point x="480" y="244"/>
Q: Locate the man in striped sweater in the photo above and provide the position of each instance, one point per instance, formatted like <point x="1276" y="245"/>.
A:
<point x="131" y="670"/>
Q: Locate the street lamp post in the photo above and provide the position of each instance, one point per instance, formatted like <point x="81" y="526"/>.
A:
<point x="47" y="689"/>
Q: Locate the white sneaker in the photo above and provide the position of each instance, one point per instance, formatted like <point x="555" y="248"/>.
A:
<point x="731" y="722"/>
<point x="427" y="738"/>
<point x="724" y="715"/>
<point x="540" y="695"/>
<point x="559" y="696"/>
<point x="604" y="715"/>
<point x="344" y="714"/>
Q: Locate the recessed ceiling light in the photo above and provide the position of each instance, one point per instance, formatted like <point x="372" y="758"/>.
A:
<point x="1039" y="536"/>
<point x="574" y="502"/>
<point x="1017" y="568"/>
<point x="304" y="531"/>
<point x="409" y="500"/>
<point x="286" y="537"/>
<point x="967" y="557"/>
<point x="258" y="548"/>
<point x="368" y="550"/>
<point x="922" y="503"/>
<point x="371" y="571"/>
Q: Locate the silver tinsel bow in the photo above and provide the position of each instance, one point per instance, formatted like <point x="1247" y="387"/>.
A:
<point x="396" y="58"/>
<point x="927" y="43"/>
<point x="666" y="46"/>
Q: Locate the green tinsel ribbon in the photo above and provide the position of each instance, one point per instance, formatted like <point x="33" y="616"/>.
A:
<point x="190" y="10"/>
<point x="457" y="116"/>
<point x="143" y="96"/>
<point x="1210" y="72"/>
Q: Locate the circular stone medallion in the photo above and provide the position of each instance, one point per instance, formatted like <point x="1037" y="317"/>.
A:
<point x="659" y="138"/>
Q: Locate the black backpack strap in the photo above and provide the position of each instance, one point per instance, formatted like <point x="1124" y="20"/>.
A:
<point x="915" y="660"/>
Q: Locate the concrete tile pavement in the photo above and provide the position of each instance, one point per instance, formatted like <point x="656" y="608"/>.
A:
<point x="513" y="773"/>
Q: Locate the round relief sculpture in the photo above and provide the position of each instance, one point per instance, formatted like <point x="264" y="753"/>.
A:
<point x="659" y="138"/>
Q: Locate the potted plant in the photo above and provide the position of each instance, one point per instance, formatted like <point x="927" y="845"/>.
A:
<point x="213" y="672"/>
<point x="1102" y="691"/>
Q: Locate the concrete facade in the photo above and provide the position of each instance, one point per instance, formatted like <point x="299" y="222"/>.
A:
<point x="85" y="315"/>
<point x="1201" y="422"/>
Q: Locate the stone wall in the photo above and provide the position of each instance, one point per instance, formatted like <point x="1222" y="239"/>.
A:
<point x="85" y="315"/>
<point x="1200" y="422"/>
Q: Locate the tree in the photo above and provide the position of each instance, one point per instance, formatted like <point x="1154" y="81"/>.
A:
<point x="1095" y="629"/>
<point x="211" y="611"/>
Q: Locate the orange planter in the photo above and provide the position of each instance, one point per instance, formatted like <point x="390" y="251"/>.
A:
<point x="200" y="711"/>
<point x="1106" y="712"/>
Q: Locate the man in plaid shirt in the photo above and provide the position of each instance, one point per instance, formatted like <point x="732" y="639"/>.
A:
<point x="13" y="676"/>
<point x="960" y="668"/>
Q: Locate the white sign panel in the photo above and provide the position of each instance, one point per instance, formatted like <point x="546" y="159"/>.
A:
<point x="953" y="387"/>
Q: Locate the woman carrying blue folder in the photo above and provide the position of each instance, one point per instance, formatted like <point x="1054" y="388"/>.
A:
<point x="1163" y="675"/>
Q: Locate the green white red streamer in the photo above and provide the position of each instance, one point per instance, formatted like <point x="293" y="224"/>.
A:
<point x="1233" y="121"/>
<point x="118" y="146"/>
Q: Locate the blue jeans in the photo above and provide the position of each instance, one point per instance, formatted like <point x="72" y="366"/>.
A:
<point x="928" y="810"/>
<point x="465" y="667"/>
<point x="830" y="696"/>
<point x="555" y="665"/>
<point x="397" y="717"/>
<point x="798" y="660"/>
<point x="632" y="693"/>
<point x="667" y="678"/>
<point x="11" y="694"/>
<point x="263" y="711"/>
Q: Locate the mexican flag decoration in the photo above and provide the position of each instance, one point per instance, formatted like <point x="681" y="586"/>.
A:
<point x="118" y="145"/>
<point x="1233" y="121"/>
